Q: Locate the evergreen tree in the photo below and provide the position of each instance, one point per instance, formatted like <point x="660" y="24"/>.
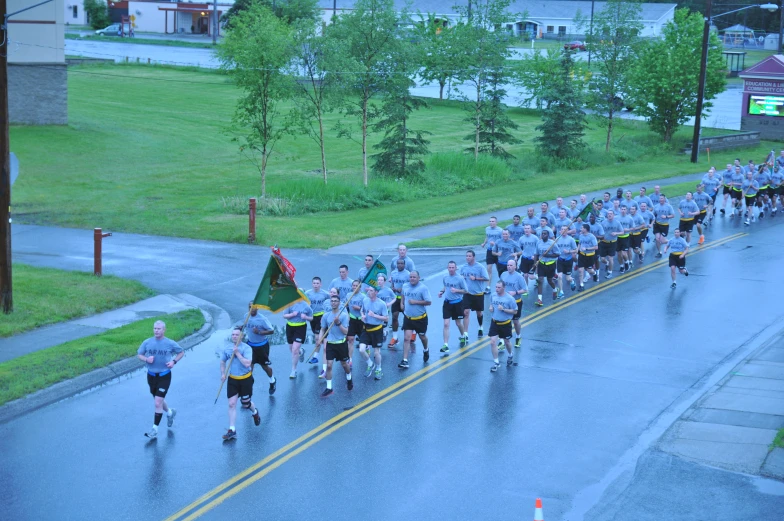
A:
<point x="563" y="124"/>
<point x="495" y="124"/>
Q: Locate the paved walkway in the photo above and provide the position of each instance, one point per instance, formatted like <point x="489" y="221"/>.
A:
<point x="48" y="336"/>
<point x="733" y="425"/>
<point x="389" y="243"/>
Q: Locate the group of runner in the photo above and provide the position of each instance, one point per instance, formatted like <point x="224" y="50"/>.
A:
<point x="554" y="246"/>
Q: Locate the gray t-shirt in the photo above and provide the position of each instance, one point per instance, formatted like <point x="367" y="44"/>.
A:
<point x="514" y="282"/>
<point x="702" y="199"/>
<point x="565" y="244"/>
<point x="539" y="231"/>
<point x="637" y="222"/>
<point x="451" y="283"/>
<point x="644" y="199"/>
<point x="627" y="222"/>
<point x="549" y="216"/>
<point x="397" y="279"/>
<point x="687" y="207"/>
<point x="750" y="187"/>
<point x="418" y="292"/>
<point x="319" y="300"/>
<point x="475" y="287"/>
<point x="236" y="368"/>
<point x="299" y="307"/>
<point x="354" y="307"/>
<point x="560" y="223"/>
<point x="163" y="350"/>
<point x="611" y="227"/>
<point x="492" y="236"/>
<point x="597" y="230"/>
<point x="587" y="241"/>
<point x="378" y="307"/>
<point x="528" y="245"/>
<point x="258" y="323"/>
<point x="515" y="232"/>
<point x="737" y="180"/>
<point x="533" y="222"/>
<point x="628" y="204"/>
<point x="542" y="247"/>
<point x="506" y="249"/>
<point x="662" y="212"/>
<point x="776" y="178"/>
<point x="647" y="216"/>
<point x="335" y="335"/>
<point x="386" y="294"/>
<point x="711" y="183"/>
<point x="343" y="287"/>
<point x="677" y="245"/>
<point x="502" y="301"/>
<point x="409" y="263"/>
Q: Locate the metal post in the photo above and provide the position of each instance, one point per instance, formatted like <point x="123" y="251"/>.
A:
<point x="98" y="251"/>
<point x="781" y="25"/>
<point x="214" y="22"/>
<point x="6" y="294"/>
<point x="695" y="141"/>
<point x="252" y="220"/>
<point x="590" y="35"/>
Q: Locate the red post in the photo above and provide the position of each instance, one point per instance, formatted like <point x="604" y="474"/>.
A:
<point x="97" y="250"/>
<point x="252" y="220"/>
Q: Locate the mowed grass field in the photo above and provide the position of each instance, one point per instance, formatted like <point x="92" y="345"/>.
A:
<point x="147" y="151"/>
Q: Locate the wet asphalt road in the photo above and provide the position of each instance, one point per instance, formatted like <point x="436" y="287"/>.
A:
<point x="454" y="442"/>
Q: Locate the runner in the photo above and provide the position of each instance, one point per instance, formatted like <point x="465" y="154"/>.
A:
<point x="618" y="197"/>
<point x="583" y="203"/>
<point x="514" y="283"/>
<point x="586" y="254"/>
<point x="515" y="229"/>
<point x="638" y="225"/>
<point x="257" y="329"/>
<point x="763" y="180"/>
<point x="416" y="298"/>
<point x="355" y="325"/>
<point x="160" y="354"/>
<point x="726" y="183"/>
<point x="528" y="243"/>
<point x="342" y="283"/>
<point x="530" y="218"/>
<point x="475" y="276"/>
<point x="780" y="159"/>
<point x="624" y="241"/>
<point x="454" y="289"/>
<point x="364" y="271"/>
<point x="597" y="230"/>
<point x="386" y="295"/>
<point x="503" y="308"/>
<point x="504" y="250"/>
<point x="574" y="209"/>
<point x="609" y="244"/>
<point x="397" y="278"/>
<point x="543" y="227"/>
<point x="711" y="182"/>
<point x="776" y="188"/>
<point x="337" y="347"/>
<point x="688" y="211"/>
<point x="297" y="316"/>
<point x="642" y="198"/>
<point x="662" y="213"/>
<point x="492" y="235"/>
<point x="547" y="253"/>
<point x="657" y="193"/>
<point x="628" y="202"/>
<point x="679" y="247"/>
<point x="564" y="220"/>
<point x="402" y="253"/>
<point x="736" y="194"/>
<point x="545" y="213"/>
<point x="749" y="189"/>
<point x="565" y="263"/>
<point x="704" y="202"/>
<point x="240" y="384"/>
<point x="319" y="299"/>
<point x="559" y="205"/>
<point x="648" y="217"/>
<point x="374" y="316"/>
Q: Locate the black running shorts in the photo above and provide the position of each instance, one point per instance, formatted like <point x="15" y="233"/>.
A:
<point x="636" y="240"/>
<point x="373" y="339"/>
<point x="260" y="354"/>
<point x="606" y="249"/>
<point x="501" y="330"/>
<point x="490" y="258"/>
<point x="750" y="200"/>
<point x="159" y="385"/>
<point x="564" y="266"/>
<point x="675" y="260"/>
<point x="315" y="325"/>
<point x="726" y="190"/>
<point x="585" y="261"/>
<point x="519" y="310"/>
<point x="526" y="264"/>
<point x="686" y="225"/>
<point x="296" y="333"/>
<point x="417" y="326"/>
<point x="396" y="305"/>
<point x="474" y="302"/>
<point x="622" y="244"/>
<point x="661" y="229"/>
<point x="337" y="351"/>
<point x="242" y="387"/>
<point x="453" y="310"/>
<point x="735" y="194"/>
<point x="355" y="327"/>
<point x="546" y="270"/>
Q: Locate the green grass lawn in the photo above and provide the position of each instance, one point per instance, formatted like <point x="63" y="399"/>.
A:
<point x="140" y="41"/>
<point x="46" y="296"/>
<point x="146" y="150"/>
<point x="475" y="236"/>
<point x="29" y="373"/>
<point x="778" y="442"/>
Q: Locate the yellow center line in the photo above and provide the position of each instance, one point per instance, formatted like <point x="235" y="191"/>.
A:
<point x="257" y="471"/>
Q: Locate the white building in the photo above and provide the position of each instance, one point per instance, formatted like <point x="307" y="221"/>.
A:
<point x="74" y="12"/>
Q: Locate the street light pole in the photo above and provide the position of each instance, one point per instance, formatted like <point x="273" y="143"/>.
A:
<point x="781" y="28"/>
<point x="214" y="22"/>
<point x="590" y="34"/>
<point x="695" y="141"/>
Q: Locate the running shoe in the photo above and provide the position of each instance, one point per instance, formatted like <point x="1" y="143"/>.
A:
<point x="573" y="285"/>
<point x="639" y="256"/>
<point x="561" y="295"/>
<point x="581" y="288"/>
<point x="539" y="302"/>
<point x="445" y="349"/>
<point x="685" y="272"/>
<point x="426" y="355"/>
<point x="313" y="360"/>
<point x="746" y="222"/>
<point x="524" y="293"/>
<point x="322" y="374"/>
<point x="596" y="277"/>
<point x="256" y="418"/>
<point x="403" y="364"/>
<point x="170" y="418"/>
<point x="326" y="392"/>
<point x="586" y="277"/>
<point x="608" y="275"/>
<point x="761" y="215"/>
<point x="369" y="370"/>
<point x="480" y="333"/>
<point x="392" y="343"/>
<point x="230" y="435"/>
<point x="517" y="342"/>
<point x="622" y="270"/>
<point x="722" y="212"/>
<point x="378" y="374"/>
<point x="658" y="255"/>
<point x="673" y="285"/>
<point x="301" y="354"/>
<point x="349" y="384"/>
<point x="274" y="385"/>
<point x="509" y="361"/>
<point x="500" y="343"/>
<point x="495" y="367"/>
<point x="152" y="433"/>
<point x="293" y="375"/>
<point x="555" y="295"/>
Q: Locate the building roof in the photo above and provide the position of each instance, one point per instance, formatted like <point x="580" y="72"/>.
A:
<point x="558" y="9"/>
<point x="771" y="67"/>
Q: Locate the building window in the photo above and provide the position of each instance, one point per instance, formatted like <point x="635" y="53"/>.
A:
<point x="76" y="11"/>
<point x="561" y="30"/>
<point x="550" y="29"/>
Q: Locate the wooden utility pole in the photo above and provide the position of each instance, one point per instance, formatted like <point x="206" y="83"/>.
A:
<point x="6" y="295"/>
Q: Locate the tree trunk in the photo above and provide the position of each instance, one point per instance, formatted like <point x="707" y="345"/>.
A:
<point x="478" y="119"/>
<point x="609" y="130"/>
<point x="321" y="143"/>
<point x="441" y="84"/>
<point x="364" y="142"/>
<point x="403" y="158"/>
<point x="264" y="173"/>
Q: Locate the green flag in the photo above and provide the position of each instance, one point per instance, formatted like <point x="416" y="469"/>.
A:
<point x="371" y="279"/>
<point x="278" y="290"/>
<point x="588" y="210"/>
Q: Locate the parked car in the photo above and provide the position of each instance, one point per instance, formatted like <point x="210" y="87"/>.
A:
<point x="576" y="45"/>
<point x="112" y="30"/>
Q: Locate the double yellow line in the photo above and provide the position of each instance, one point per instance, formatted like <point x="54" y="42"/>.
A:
<point x="257" y="471"/>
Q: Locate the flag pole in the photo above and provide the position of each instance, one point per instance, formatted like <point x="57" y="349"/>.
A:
<point x="228" y="367"/>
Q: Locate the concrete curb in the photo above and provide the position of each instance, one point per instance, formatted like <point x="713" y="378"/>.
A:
<point x="95" y="378"/>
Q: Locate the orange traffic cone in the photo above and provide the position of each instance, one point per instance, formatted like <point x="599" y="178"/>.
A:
<point x="538" y="516"/>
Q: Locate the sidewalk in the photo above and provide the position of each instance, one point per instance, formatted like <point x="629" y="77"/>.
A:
<point x="733" y="425"/>
<point x="388" y="243"/>
<point x="48" y="336"/>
